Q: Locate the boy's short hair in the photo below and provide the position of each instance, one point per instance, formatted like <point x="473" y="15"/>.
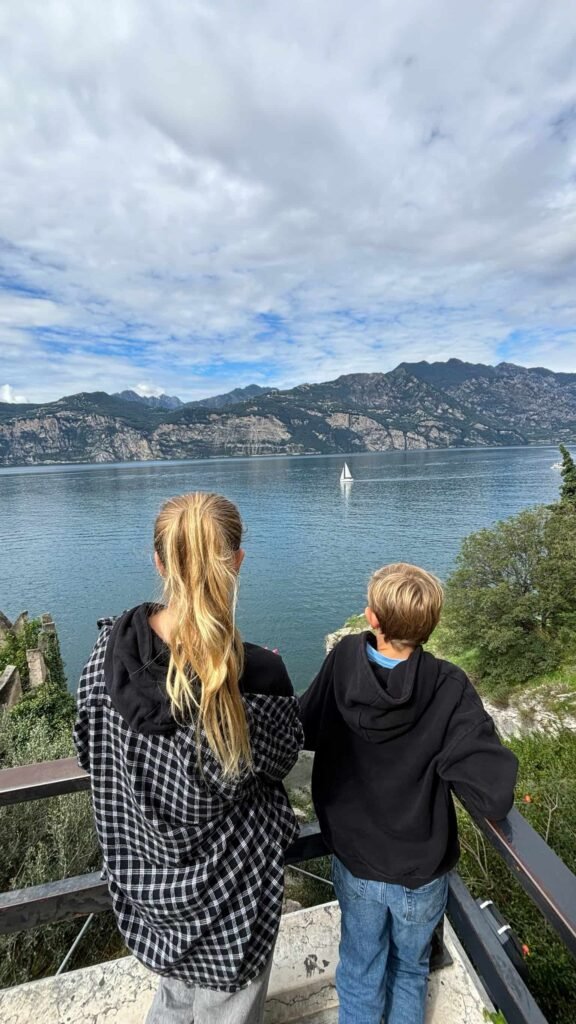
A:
<point x="407" y="601"/>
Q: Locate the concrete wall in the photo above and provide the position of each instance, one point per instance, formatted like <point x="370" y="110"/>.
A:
<point x="37" y="672"/>
<point x="10" y="681"/>
<point x="10" y="686"/>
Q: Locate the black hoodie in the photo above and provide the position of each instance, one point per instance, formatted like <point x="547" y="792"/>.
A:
<point x="390" y="746"/>
<point x="136" y="663"/>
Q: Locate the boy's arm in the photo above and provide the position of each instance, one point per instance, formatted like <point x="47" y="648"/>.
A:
<point x="312" y="703"/>
<point x="480" y="769"/>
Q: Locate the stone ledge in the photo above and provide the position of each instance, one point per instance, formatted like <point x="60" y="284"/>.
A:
<point x="120" y="991"/>
<point x="301" y="986"/>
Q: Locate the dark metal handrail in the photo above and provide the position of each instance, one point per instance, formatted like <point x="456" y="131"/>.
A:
<point x="541" y="873"/>
<point x="546" y="879"/>
<point x="44" y="779"/>
<point x="22" y="909"/>
<point x="501" y="979"/>
<point x="88" y="894"/>
<point x="549" y="883"/>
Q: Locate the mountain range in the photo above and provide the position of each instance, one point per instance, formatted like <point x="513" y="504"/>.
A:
<point x="214" y="402"/>
<point x="417" y="405"/>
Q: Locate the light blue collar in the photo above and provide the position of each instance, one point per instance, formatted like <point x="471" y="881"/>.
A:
<point x="381" y="659"/>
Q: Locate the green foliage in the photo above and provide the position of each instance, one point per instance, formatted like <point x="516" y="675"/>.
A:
<point x="547" y="795"/>
<point x="13" y="649"/>
<point x="307" y="891"/>
<point x="43" y="841"/>
<point x="568" y="488"/>
<point x="357" y="622"/>
<point x="511" y="601"/>
<point x="47" y="714"/>
<point x="54" y="663"/>
<point x="510" y="619"/>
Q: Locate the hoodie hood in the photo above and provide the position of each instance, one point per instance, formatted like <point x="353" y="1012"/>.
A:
<point x="135" y="668"/>
<point x="377" y="703"/>
<point x="136" y="664"/>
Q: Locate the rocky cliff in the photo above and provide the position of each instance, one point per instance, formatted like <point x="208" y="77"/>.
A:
<point x="417" y="405"/>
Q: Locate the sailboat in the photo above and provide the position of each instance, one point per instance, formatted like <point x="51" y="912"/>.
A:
<point x="346" y="476"/>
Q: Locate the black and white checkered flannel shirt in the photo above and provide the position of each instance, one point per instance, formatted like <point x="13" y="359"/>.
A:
<point x="194" y="862"/>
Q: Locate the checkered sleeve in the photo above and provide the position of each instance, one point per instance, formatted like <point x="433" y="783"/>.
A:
<point x="276" y="734"/>
<point x="91" y="671"/>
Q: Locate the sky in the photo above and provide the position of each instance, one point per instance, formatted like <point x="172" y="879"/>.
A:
<point x="196" y="196"/>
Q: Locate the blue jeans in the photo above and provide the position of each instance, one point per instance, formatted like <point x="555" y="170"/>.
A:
<point x="385" y="944"/>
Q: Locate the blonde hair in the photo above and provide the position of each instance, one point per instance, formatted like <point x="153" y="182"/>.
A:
<point x="407" y="601"/>
<point x="197" y="537"/>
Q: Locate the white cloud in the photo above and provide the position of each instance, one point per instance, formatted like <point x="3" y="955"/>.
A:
<point x="148" y="390"/>
<point x="206" y="195"/>
<point x="7" y="394"/>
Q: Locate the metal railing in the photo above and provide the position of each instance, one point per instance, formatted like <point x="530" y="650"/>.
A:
<point x="543" y="876"/>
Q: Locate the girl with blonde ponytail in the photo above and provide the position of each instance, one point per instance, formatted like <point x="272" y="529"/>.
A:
<point x="187" y="733"/>
<point x="197" y="550"/>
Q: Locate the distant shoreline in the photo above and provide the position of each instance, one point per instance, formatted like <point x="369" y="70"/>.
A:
<point x="192" y="460"/>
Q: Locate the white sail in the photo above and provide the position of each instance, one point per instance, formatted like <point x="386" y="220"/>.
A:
<point x="346" y="474"/>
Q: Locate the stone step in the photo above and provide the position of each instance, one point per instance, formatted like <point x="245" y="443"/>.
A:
<point x="455" y="993"/>
<point x="301" y="985"/>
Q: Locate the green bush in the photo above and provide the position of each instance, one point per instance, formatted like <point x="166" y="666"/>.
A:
<point x="54" y="663"/>
<point x="45" y="840"/>
<point x="546" y="793"/>
<point x="42" y="720"/>
<point x="14" y="646"/>
<point x="46" y="708"/>
<point x="308" y="891"/>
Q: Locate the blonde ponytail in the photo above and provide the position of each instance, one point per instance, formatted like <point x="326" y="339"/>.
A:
<point x="197" y="538"/>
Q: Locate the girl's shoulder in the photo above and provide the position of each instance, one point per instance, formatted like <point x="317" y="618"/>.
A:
<point x="265" y="673"/>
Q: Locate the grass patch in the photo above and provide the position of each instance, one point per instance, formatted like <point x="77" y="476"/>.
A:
<point x="356" y="622"/>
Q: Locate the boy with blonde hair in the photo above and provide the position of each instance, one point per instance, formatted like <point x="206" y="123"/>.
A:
<point x="395" y="731"/>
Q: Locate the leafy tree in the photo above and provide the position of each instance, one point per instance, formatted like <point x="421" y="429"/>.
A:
<point x="511" y="601"/>
<point x="568" y="488"/>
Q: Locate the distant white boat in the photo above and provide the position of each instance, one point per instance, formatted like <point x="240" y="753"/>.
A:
<point x="346" y="475"/>
<point x="556" y="465"/>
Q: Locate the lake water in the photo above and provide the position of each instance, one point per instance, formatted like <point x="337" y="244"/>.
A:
<point x="76" y="540"/>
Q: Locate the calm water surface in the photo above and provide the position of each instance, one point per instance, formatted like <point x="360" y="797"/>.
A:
<point x="76" y="540"/>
